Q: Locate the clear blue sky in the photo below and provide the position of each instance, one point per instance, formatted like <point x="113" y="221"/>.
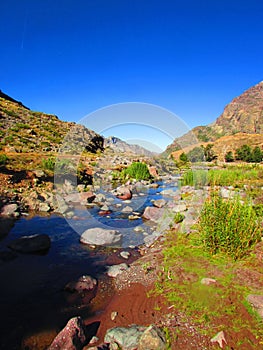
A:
<point x="70" y="57"/>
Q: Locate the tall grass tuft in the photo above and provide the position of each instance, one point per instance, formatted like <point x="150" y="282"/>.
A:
<point x="228" y="226"/>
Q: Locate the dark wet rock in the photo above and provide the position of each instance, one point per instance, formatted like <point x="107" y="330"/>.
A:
<point x="125" y="338"/>
<point x="72" y="337"/>
<point x="153" y="213"/>
<point x="10" y="210"/>
<point x="159" y="203"/>
<point x="100" y="236"/>
<point x="152" y="339"/>
<point x="81" y="291"/>
<point x="84" y="283"/>
<point x="31" y="244"/>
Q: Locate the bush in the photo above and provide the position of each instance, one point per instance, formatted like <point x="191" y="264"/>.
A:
<point x="48" y="164"/>
<point x="3" y="159"/>
<point x="228" y="226"/>
<point x="138" y="171"/>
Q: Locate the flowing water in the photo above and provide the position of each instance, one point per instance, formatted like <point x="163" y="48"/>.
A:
<point x="32" y="295"/>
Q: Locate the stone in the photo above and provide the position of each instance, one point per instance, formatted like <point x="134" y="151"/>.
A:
<point x="100" y="197"/>
<point x="31" y="244"/>
<point x="207" y="281"/>
<point x="153" y="213"/>
<point x="159" y="203"/>
<point x="220" y="339"/>
<point x="152" y="339"/>
<point x="124" y="338"/>
<point x="127" y="209"/>
<point x="101" y="236"/>
<point x="44" y="207"/>
<point x="133" y="217"/>
<point x="38" y="173"/>
<point x="168" y="192"/>
<point x="125" y="255"/>
<point x="84" y="283"/>
<point x="153" y="171"/>
<point x="115" y="270"/>
<point x="124" y="193"/>
<point x="9" y="210"/>
<point x="179" y="208"/>
<point x="113" y="315"/>
<point x="72" y="337"/>
<point x="154" y="185"/>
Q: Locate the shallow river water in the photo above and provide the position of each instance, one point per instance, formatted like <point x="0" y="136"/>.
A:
<point x="32" y="296"/>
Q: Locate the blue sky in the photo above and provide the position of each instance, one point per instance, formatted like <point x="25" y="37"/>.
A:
<point x="71" y="58"/>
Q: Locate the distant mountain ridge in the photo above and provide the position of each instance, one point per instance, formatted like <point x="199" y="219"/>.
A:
<point x="244" y="114"/>
<point x="121" y="146"/>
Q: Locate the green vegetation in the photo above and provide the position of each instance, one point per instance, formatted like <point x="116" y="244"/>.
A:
<point x="196" y="178"/>
<point x="237" y="177"/>
<point x="229" y="157"/>
<point x="228" y="226"/>
<point x="48" y="164"/>
<point x="3" y="159"/>
<point x="137" y="171"/>
<point x="206" y="307"/>
<point x="246" y="154"/>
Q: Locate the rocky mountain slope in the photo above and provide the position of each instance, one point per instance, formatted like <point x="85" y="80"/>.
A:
<point x="120" y="146"/>
<point x="23" y="130"/>
<point x="244" y="114"/>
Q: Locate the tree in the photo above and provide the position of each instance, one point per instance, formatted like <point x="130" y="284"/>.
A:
<point x="244" y="153"/>
<point x="257" y="155"/>
<point x="196" y="155"/>
<point x="209" y="153"/>
<point x="183" y="158"/>
<point x="229" y="157"/>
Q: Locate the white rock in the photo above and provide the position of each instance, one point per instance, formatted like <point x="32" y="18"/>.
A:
<point x="100" y="236"/>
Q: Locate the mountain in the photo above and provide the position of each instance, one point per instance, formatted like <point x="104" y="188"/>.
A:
<point x="23" y="130"/>
<point x="120" y="146"/>
<point x="244" y="114"/>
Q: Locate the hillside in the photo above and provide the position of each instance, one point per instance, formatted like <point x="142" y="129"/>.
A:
<point x="23" y="130"/>
<point x="244" y="114"/>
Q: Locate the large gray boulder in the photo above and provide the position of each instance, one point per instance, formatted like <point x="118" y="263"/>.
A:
<point x="153" y="213"/>
<point x="72" y="337"/>
<point x="31" y="244"/>
<point x="101" y="236"/>
<point x="124" y="338"/>
<point x="10" y="210"/>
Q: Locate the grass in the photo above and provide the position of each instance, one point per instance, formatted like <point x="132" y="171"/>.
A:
<point x="208" y="307"/>
<point x="236" y="177"/>
<point x="229" y="226"/>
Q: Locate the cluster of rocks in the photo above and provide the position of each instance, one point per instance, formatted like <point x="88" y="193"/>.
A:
<point x="74" y="337"/>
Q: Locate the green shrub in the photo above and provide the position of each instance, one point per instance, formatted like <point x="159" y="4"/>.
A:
<point x="48" y="164"/>
<point x="3" y="159"/>
<point x="138" y="171"/>
<point x="228" y="226"/>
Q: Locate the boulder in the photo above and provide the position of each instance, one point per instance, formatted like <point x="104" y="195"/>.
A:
<point x="72" y="337"/>
<point x="84" y="283"/>
<point x="44" y="207"/>
<point x="10" y="210"/>
<point x="31" y="244"/>
<point x="152" y="339"/>
<point x="159" y="203"/>
<point x="115" y="270"/>
<point x="124" y="193"/>
<point x="153" y="171"/>
<point x="124" y="338"/>
<point x="101" y="236"/>
<point x="153" y="213"/>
